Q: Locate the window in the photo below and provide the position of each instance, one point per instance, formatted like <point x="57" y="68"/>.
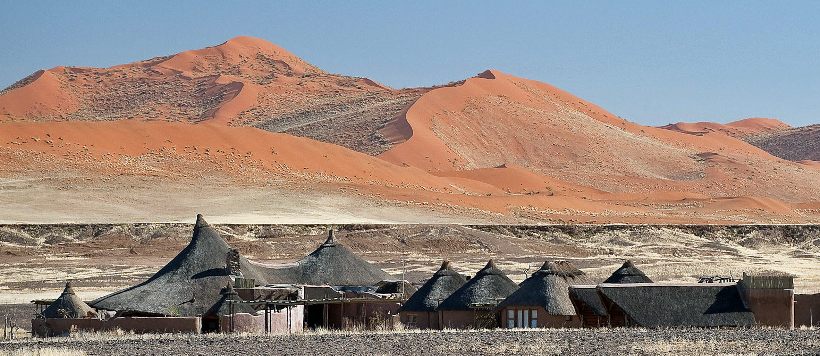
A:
<point x="412" y="319"/>
<point x="522" y="318"/>
<point x="534" y="318"/>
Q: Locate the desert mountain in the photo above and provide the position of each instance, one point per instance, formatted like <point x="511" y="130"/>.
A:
<point x="250" y="115"/>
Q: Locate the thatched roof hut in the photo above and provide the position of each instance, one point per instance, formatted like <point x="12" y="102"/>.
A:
<point x="189" y="284"/>
<point x="68" y="305"/>
<point x="690" y="305"/>
<point x="489" y="287"/>
<point x="443" y="283"/>
<point x="587" y="296"/>
<point x="549" y="288"/>
<point x="628" y="273"/>
<point x="330" y="264"/>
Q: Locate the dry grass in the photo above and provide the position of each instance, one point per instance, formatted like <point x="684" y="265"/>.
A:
<point x="46" y="351"/>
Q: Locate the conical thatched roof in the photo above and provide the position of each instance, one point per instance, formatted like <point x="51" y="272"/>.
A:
<point x="549" y="288"/>
<point x="443" y="283"/>
<point x="331" y="264"/>
<point x="69" y="305"/>
<point x="188" y="285"/>
<point x="628" y="273"/>
<point x="223" y="306"/>
<point x="489" y="287"/>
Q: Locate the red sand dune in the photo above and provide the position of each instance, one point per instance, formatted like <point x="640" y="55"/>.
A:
<point x="494" y="142"/>
<point x="496" y="119"/>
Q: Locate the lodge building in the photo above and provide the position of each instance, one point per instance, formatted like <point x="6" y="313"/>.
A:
<point x="210" y="287"/>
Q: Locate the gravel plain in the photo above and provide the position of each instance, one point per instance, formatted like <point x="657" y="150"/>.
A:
<point x="490" y="342"/>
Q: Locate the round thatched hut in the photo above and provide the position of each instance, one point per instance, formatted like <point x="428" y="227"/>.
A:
<point x="68" y="306"/>
<point x="421" y="309"/>
<point x="189" y="285"/>
<point x="543" y="300"/>
<point x="474" y="304"/>
<point x="628" y="273"/>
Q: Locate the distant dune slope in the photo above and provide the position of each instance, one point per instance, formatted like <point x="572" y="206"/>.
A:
<point x="795" y="144"/>
<point x="737" y="129"/>
<point x="799" y="144"/>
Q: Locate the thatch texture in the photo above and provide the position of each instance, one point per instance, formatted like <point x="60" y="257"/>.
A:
<point x="488" y="288"/>
<point x="331" y="264"/>
<point x="443" y="283"/>
<point x="694" y="305"/>
<point x="628" y="273"/>
<point x="69" y="306"/>
<point x="549" y="288"/>
<point x="587" y="295"/>
<point x="188" y="285"/>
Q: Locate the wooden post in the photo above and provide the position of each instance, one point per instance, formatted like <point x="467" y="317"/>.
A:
<point x="5" y="325"/>
<point x="267" y="318"/>
<point x="325" y="314"/>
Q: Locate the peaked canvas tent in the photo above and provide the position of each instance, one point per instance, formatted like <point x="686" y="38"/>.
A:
<point x="475" y="303"/>
<point x="331" y="264"/>
<point x="68" y="306"/>
<point x="189" y="284"/>
<point x="420" y="309"/>
<point x="628" y="273"/>
<point x="542" y="300"/>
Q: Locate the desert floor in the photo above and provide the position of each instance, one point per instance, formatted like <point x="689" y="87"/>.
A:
<point x="546" y="342"/>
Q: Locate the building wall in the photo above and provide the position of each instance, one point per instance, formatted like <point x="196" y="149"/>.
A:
<point x="589" y="319"/>
<point x="55" y="327"/>
<point x="771" y="307"/>
<point x="424" y="320"/>
<point x="247" y="323"/>
<point x="528" y="317"/>
<point x="807" y="310"/>
<point x="468" y="319"/>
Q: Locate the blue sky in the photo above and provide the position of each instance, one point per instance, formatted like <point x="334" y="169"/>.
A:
<point x="652" y="62"/>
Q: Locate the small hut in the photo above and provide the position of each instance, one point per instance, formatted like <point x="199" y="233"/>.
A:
<point x="654" y="305"/>
<point x="542" y="300"/>
<point x="190" y="284"/>
<point x="475" y="304"/>
<point x="420" y="310"/>
<point x="352" y="301"/>
<point x="68" y="306"/>
<point x="628" y="273"/>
